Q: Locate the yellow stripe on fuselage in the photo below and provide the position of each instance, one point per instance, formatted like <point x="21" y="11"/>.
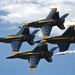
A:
<point x="60" y="38"/>
<point x="45" y="21"/>
<point x="12" y="37"/>
<point x="32" y="53"/>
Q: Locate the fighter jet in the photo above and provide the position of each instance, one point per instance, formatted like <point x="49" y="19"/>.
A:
<point x="34" y="56"/>
<point x="17" y="39"/>
<point x="63" y="40"/>
<point x="51" y="20"/>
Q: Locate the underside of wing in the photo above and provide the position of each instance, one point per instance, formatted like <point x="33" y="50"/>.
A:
<point x="63" y="45"/>
<point x="33" y="62"/>
<point x="16" y="46"/>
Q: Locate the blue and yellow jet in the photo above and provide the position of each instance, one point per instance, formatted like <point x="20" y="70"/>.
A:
<point x="34" y="56"/>
<point x="51" y="20"/>
<point x="63" y="41"/>
<point x="21" y="36"/>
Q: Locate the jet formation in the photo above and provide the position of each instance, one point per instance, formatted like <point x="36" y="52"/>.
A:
<point x="41" y="50"/>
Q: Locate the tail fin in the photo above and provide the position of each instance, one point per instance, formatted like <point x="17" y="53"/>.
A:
<point x="23" y="31"/>
<point x="64" y="44"/>
<point x="31" y="37"/>
<point x="49" y="58"/>
<point x="53" y="49"/>
<point x="41" y="47"/>
<point x="69" y="32"/>
<point x="62" y="19"/>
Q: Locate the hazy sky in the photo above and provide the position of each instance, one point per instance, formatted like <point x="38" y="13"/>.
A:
<point x="13" y="13"/>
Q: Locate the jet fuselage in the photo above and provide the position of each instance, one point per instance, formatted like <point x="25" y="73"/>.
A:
<point x="27" y="55"/>
<point x="9" y="39"/>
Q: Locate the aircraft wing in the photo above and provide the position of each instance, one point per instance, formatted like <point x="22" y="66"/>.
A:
<point x="46" y="29"/>
<point x="63" y="45"/>
<point x="51" y="14"/>
<point x="16" y="46"/>
<point x="33" y="62"/>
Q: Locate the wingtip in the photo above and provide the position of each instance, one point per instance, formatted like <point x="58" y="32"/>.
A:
<point x="31" y="69"/>
<point x="15" y="52"/>
<point x="45" y="37"/>
<point x="53" y="8"/>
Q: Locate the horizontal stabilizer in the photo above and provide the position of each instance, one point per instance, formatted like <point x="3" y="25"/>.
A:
<point x="48" y="59"/>
<point x="30" y="41"/>
<point x="62" y="19"/>
<point x="53" y="49"/>
<point x="61" y="26"/>
<point x="64" y="16"/>
<point x="34" y="32"/>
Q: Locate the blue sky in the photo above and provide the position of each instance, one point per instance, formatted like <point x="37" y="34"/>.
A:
<point x="16" y="12"/>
